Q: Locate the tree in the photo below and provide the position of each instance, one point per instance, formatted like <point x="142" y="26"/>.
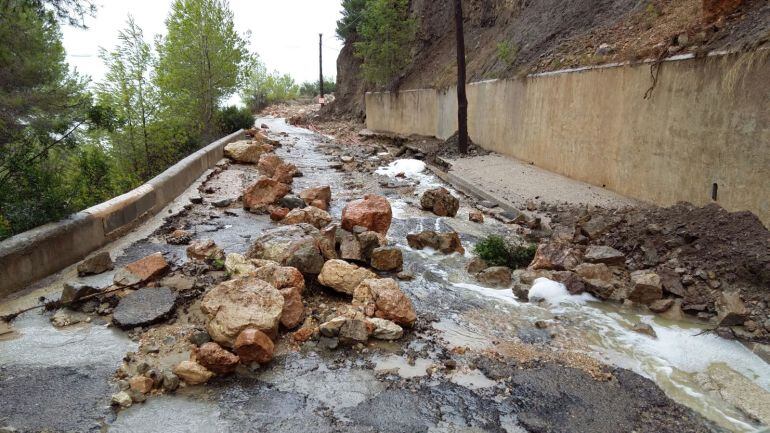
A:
<point x="263" y="88"/>
<point x="310" y="88"/>
<point x="200" y="61"/>
<point x="387" y="33"/>
<point x="352" y="12"/>
<point x="127" y="89"/>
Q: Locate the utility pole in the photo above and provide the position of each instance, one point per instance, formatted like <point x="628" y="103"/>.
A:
<point x="321" y="66"/>
<point x="462" y="99"/>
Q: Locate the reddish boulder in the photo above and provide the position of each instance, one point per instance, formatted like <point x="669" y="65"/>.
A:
<point x="264" y="192"/>
<point x="205" y="249"/>
<point x="253" y="345"/>
<point x="319" y="197"/>
<point x="214" y="358"/>
<point x="715" y="9"/>
<point x="278" y="213"/>
<point x="293" y="308"/>
<point x="268" y="163"/>
<point x="440" y="201"/>
<point x="142" y="270"/>
<point x="555" y="256"/>
<point x="383" y="298"/>
<point x="285" y="173"/>
<point x="372" y="212"/>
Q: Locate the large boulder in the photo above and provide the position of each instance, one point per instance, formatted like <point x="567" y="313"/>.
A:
<point x="216" y="359"/>
<point x="299" y="246"/>
<point x="312" y="215"/>
<point x="384" y="299"/>
<point x="446" y="243"/>
<point x="440" y="201"/>
<point x="144" y="307"/>
<point x="268" y="163"/>
<point x="647" y="287"/>
<point x="342" y="276"/>
<point x="235" y="305"/>
<point x="319" y="197"/>
<point x="246" y="151"/>
<point x="285" y="173"/>
<point x="372" y="212"/>
<point x="264" y="192"/>
<point x="253" y="345"/>
<point x="96" y="264"/>
<point x="142" y="270"/>
<point x="556" y="256"/>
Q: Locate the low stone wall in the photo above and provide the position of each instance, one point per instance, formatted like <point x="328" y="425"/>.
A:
<point x="32" y="255"/>
<point x="705" y="127"/>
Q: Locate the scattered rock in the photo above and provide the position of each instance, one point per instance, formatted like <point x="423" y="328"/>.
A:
<point x="385" y="329"/>
<point x="298" y="245"/>
<point x="496" y="276"/>
<point x="199" y="338"/>
<point x="192" y="373"/>
<point x="264" y="192"/>
<point x="96" y="264"/>
<point x="440" y="201"/>
<point x="476" y="265"/>
<point x="405" y="276"/>
<point x="291" y="202"/>
<point x="253" y="345"/>
<point x="476" y="217"/>
<point x="597" y="226"/>
<point x="235" y="305"/>
<point x="179" y="237"/>
<point x="605" y="49"/>
<point x="142" y="270"/>
<point x="369" y="241"/>
<point x="319" y="197"/>
<point x="121" y="399"/>
<point x="342" y="276"/>
<point x="144" y="307"/>
<point x="644" y="328"/>
<point x="170" y="380"/>
<point x="384" y="299"/>
<point x="312" y="215"/>
<point x="646" y="287"/>
<point x="372" y="212"/>
<point x="268" y="163"/>
<point x="73" y="291"/>
<point x="278" y="213"/>
<point x="661" y="305"/>
<point x="731" y="311"/>
<point x="604" y="254"/>
<point x="141" y="384"/>
<point x="387" y="258"/>
<point x="446" y="243"/>
<point x="246" y="151"/>
<point x="205" y="249"/>
<point x="353" y="331"/>
<point x="66" y="317"/>
<point x="672" y="283"/>
<point x="293" y="307"/>
<point x="332" y="327"/>
<point x="222" y="203"/>
<point x="285" y="173"/>
<point x="216" y="359"/>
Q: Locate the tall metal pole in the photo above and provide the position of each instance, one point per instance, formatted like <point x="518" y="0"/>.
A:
<point x="321" y="66"/>
<point x="462" y="99"/>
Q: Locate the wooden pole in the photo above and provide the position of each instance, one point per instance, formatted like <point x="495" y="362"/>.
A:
<point x="462" y="99"/>
<point x="321" y="65"/>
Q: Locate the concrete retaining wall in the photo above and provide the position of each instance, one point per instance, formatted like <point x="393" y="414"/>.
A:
<point x="32" y="255"/>
<point x="707" y="123"/>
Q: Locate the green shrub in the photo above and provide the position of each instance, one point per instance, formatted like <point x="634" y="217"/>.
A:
<point x="507" y="52"/>
<point x="496" y="251"/>
<point x="231" y="119"/>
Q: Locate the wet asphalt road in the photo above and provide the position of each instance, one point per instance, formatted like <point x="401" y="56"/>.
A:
<point x="61" y="381"/>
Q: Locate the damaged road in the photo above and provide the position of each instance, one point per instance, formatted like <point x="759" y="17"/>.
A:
<point x="475" y="358"/>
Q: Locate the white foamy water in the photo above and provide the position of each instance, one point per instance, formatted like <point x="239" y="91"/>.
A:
<point x="408" y="167"/>
<point x="554" y="293"/>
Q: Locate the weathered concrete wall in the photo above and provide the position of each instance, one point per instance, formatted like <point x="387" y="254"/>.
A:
<point x="707" y="122"/>
<point x="34" y="254"/>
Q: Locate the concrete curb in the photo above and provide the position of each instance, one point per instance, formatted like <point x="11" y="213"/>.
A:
<point x="37" y="253"/>
<point x="468" y="188"/>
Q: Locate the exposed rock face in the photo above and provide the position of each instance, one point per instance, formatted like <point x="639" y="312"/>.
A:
<point x="73" y="291"/>
<point x="235" y="305"/>
<point x="144" y="307"/>
<point x="343" y="277"/>
<point x="556" y="256"/>
<point x="264" y="192"/>
<point x="372" y="212"/>
<point x="96" y="264"/>
<point x="319" y="197"/>
<point x="384" y="299"/>
<point x="440" y="201"/>
<point x="312" y="215"/>
<point x="246" y="151"/>
<point x="387" y="258"/>
<point x="385" y="329"/>
<point x="205" y="249"/>
<point x="647" y="287"/>
<point x="731" y="310"/>
<point x="446" y="243"/>
<point x="604" y="254"/>
<point x="192" y="373"/>
<point x="253" y="345"/>
<point x="142" y="270"/>
<point x="496" y="276"/>
<point x="216" y="359"/>
<point x="299" y="246"/>
<point x="714" y="9"/>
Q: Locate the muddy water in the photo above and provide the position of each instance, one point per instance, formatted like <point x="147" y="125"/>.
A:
<point x="318" y="390"/>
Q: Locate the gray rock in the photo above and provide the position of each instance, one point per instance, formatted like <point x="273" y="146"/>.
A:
<point x="170" y="380"/>
<point x="144" y="307"/>
<point x="122" y="399"/>
<point x="645" y="329"/>
<point x="604" y="254"/>
<point x="647" y="287"/>
<point x="101" y="262"/>
<point x="291" y="202"/>
<point x="731" y="310"/>
<point x="199" y="338"/>
<point x="294" y="245"/>
<point x="354" y="331"/>
<point x="330" y="343"/>
<point x="225" y="202"/>
<point x="74" y="291"/>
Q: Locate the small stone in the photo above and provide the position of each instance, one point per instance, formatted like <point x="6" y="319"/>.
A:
<point x="385" y="329"/>
<point x="731" y="310"/>
<point x="476" y="265"/>
<point x="647" y="287"/>
<point x="330" y="343"/>
<point x="278" y="214"/>
<point x="662" y="305"/>
<point x="476" y="217"/>
<point x="495" y="276"/>
<point x="312" y="215"/>
<point x="66" y="317"/>
<point x="205" y="249"/>
<point x="74" y="291"/>
<point x="192" y="373"/>
<point x="440" y="201"/>
<point x="604" y="49"/>
<point x="170" y="380"/>
<point x="222" y="203"/>
<point x="353" y="331"/>
<point x="385" y="299"/>
<point x="291" y="202"/>
<point x="332" y="327"/>
<point x="122" y="399"/>
<point x="342" y="276"/>
<point x="644" y="328"/>
<point x="96" y="264"/>
<point x="446" y="243"/>
<point x="141" y="384"/>
<point x="216" y="359"/>
<point x="199" y="338"/>
<point x="405" y="276"/>
<point x="387" y="258"/>
<point x="253" y="345"/>
<point x="319" y="196"/>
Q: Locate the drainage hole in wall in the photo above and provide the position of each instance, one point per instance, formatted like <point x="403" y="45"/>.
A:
<point x="714" y="191"/>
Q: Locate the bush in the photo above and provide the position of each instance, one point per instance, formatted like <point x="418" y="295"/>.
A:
<point x="231" y="119"/>
<point x="507" y="52"/>
<point x="496" y="251"/>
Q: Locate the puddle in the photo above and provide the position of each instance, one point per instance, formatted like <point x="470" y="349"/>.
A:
<point x="402" y="367"/>
<point x="472" y="379"/>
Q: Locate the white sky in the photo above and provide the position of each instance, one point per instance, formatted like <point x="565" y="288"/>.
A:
<point x="283" y="32"/>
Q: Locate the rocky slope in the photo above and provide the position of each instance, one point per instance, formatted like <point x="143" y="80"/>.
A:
<point x="506" y="38"/>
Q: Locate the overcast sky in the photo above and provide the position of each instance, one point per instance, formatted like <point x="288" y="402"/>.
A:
<point x="283" y="32"/>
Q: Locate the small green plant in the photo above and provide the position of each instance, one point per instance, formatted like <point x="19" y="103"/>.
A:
<point x="218" y="264"/>
<point x="496" y="251"/>
<point x="507" y="52"/>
